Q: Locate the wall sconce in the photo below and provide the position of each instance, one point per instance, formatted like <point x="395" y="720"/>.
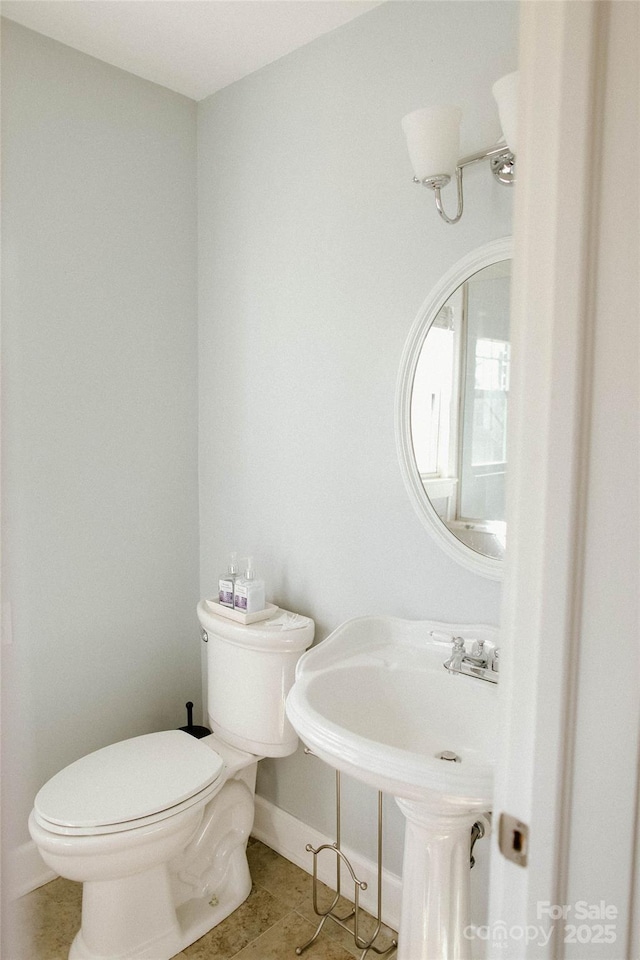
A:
<point x="433" y="141"/>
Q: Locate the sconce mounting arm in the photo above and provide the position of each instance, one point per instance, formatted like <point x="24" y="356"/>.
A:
<point x="502" y="163"/>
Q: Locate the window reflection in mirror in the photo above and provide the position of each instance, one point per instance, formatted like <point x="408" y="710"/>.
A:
<point x="459" y="410"/>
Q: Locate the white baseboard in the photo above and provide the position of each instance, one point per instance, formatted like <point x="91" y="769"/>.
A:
<point x="275" y="827"/>
<point x="26" y="870"/>
<point x="289" y="837"/>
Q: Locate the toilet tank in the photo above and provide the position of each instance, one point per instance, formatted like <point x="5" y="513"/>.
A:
<point x="251" y="669"/>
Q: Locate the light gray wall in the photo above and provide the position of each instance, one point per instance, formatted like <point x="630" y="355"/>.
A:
<point x="100" y="409"/>
<point x="316" y="252"/>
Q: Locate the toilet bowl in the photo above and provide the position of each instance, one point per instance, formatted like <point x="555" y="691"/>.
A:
<point x="156" y="827"/>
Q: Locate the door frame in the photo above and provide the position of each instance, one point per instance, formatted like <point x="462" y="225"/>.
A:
<point x="548" y="620"/>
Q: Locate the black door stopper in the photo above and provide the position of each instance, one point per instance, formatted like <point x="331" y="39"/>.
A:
<point x="195" y="731"/>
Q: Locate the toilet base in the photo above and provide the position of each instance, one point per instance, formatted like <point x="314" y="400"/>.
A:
<point x="186" y="924"/>
<point x="155" y="914"/>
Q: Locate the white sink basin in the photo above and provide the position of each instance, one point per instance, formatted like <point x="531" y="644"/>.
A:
<point x="375" y="701"/>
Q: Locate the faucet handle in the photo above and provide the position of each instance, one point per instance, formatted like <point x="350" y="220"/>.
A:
<point x="495" y="663"/>
<point x="454" y="662"/>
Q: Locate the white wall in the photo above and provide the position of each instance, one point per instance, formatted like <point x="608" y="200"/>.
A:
<point x="607" y="708"/>
<point x="99" y="409"/>
<point x="316" y="252"/>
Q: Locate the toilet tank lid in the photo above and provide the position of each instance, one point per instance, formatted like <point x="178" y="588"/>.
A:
<point x="129" y="780"/>
<point x="283" y="632"/>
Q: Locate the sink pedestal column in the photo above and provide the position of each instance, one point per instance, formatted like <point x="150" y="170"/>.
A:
<point x="435" y="882"/>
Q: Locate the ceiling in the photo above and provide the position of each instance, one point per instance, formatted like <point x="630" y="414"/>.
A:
<point x="194" y="47"/>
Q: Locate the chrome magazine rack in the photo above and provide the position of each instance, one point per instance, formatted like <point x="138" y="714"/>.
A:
<point x="366" y="945"/>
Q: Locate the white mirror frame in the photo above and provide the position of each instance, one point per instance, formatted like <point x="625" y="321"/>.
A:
<point x="484" y="256"/>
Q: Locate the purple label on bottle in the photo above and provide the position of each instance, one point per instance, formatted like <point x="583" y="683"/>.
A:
<point x="241" y="604"/>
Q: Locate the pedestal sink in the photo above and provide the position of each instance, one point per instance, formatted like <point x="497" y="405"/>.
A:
<point x="375" y="701"/>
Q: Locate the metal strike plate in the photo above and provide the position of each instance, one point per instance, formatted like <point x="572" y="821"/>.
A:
<point x="513" y="839"/>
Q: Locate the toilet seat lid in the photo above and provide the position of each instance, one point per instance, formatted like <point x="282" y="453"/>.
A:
<point x="129" y="780"/>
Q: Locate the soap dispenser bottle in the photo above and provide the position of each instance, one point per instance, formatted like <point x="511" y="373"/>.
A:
<point x="249" y="591"/>
<point x="227" y="582"/>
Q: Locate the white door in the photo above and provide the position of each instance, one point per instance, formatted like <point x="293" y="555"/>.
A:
<point x="571" y="678"/>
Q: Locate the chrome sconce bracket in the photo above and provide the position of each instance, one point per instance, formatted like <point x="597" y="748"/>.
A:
<point x="433" y="142"/>
<point x="502" y="162"/>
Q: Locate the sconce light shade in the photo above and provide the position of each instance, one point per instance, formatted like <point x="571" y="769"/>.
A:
<point x="505" y="91"/>
<point x="433" y="140"/>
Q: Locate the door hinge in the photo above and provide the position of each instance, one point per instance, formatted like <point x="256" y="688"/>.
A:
<point x="513" y="839"/>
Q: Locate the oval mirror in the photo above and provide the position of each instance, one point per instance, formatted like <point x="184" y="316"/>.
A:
<point x="451" y="409"/>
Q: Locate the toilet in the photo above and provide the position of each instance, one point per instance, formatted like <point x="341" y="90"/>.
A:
<point x="156" y="827"/>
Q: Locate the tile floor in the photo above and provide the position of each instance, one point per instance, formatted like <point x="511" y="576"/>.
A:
<point x="276" y="918"/>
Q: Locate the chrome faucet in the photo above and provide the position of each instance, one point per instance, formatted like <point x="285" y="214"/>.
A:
<point x="477" y="657"/>
<point x="477" y="663"/>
